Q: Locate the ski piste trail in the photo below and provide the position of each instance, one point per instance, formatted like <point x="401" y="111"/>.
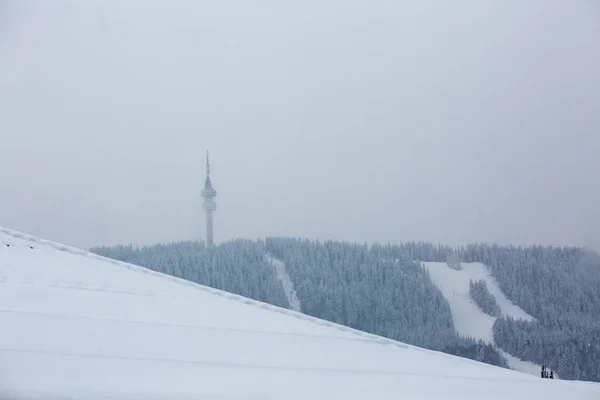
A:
<point x="78" y="325"/>
<point x="286" y="282"/>
<point x="468" y="318"/>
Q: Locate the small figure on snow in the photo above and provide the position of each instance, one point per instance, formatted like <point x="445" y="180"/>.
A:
<point x="551" y="374"/>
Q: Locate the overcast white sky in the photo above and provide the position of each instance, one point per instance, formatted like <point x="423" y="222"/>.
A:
<point x="448" y="121"/>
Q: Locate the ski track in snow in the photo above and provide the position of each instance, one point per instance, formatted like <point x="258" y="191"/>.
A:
<point x="286" y="282"/>
<point x="468" y="318"/>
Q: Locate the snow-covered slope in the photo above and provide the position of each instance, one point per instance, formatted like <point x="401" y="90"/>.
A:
<point x="286" y="282"/>
<point x="77" y="325"/>
<point x="468" y="318"/>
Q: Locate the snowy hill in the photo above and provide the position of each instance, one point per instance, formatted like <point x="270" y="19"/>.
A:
<point x="468" y="318"/>
<point x="76" y="324"/>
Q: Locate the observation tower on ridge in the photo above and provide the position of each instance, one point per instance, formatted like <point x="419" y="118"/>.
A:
<point x="209" y="205"/>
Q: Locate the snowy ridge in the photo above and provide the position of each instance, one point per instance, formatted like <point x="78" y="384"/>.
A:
<point x="468" y="318"/>
<point x="286" y="282"/>
<point x="77" y="325"/>
<point x="75" y="251"/>
<point x="230" y="296"/>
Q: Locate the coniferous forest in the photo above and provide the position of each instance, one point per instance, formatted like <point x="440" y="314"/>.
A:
<point x="483" y="298"/>
<point x="383" y="289"/>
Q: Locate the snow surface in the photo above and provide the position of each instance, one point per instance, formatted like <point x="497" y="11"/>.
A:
<point x="468" y="318"/>
<point x="286" y="282"/>
<point x="77" y="325"/>
<point x="523" y="366"/>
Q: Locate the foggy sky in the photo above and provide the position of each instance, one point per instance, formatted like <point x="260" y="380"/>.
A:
<point x="447" y="121"/>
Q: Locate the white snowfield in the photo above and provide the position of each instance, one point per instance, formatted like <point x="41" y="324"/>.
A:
<point x="76" y="325"/>
<point x="468" y="318"/>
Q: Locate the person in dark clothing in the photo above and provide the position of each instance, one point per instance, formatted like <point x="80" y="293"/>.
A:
<point x="551" y="374"/>
<point x="543" y="371"/>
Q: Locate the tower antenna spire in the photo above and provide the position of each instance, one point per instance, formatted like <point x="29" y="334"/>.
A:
<point x="207" y="165"/>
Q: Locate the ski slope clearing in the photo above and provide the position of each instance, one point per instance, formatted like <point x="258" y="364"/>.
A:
<point x="468" y="318"/>
<point x="523" y="366"/>
<point x="76" y="325"/>
<point x="286" y="282"/>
